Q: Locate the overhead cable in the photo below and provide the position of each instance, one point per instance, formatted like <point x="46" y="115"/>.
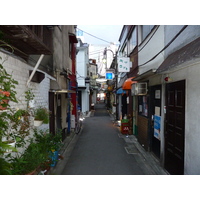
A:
<point x="184" y="27"/>
<point x="94" y="36"/>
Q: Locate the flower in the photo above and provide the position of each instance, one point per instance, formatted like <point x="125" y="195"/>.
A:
<point x="5" y="93"/>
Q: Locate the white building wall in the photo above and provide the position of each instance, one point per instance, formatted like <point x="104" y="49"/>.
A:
<point x="152" y="47"/>
<point x="81" y="68"/>
<point x="191" y="73"/>
<point x="188" y="71"/>
<point x="20" y="72"/>
<point x="82" y="62"/>
<point x="189" y="34"/>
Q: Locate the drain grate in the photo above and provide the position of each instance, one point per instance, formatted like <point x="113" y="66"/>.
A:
<point x="131" y="150"/>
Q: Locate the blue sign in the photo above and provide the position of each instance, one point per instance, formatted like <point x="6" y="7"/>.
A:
<point x="157" y="122"/>
<point x="109" y="75"/>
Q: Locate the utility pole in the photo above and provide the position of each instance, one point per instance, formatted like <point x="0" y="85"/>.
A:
<point x="116" y="75"/>
<point x="116" y="85"/>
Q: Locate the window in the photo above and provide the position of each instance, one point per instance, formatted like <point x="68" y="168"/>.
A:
<point x="146" y="29"/>
<point x="132" y="41"/>
<point x="143" y="105"/>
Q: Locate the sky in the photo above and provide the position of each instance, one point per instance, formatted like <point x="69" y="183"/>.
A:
<point x="109" y="33"/>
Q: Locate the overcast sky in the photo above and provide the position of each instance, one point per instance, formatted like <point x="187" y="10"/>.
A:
<point x="110" y="33"/>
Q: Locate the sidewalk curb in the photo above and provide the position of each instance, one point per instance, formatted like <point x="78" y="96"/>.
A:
<point x="151" y="164"/>
<point x="65" y="152"/>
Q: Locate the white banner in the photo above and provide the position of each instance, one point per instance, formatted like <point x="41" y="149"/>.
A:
<point x="123" y="64"/>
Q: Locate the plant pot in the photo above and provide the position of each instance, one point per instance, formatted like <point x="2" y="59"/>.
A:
<point x="38" y="123"/>
<point x="34" y="172"/>
<point x="54" y="158"/>
<point x="11" y="144"/>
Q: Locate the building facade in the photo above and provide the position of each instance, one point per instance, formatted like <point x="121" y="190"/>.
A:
<point x="166" y="114"/>
<point x="41" y="58"/>
<point x="82" y="76"/>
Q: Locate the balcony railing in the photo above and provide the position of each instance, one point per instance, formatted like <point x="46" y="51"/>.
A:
<point x="29" y="39"/>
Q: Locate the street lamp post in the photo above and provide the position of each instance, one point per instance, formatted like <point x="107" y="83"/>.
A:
<point x="116" y="76"/>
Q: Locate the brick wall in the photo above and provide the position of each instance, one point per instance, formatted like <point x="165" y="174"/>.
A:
<point x="20" y="72"/>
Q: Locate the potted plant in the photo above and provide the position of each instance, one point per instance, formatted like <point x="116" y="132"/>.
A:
<point x="29" y="162"/>
<point x="51" y="144"/>
<point x="41" y="115"/>
<point x="5" y="167"/>
<point x="7" y="93"/>
<point x="55" y="143"/>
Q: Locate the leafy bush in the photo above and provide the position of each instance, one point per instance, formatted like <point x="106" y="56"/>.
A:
<point x="42" y="114"/>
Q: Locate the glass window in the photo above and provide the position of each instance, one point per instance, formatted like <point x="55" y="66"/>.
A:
<point x="132" y="41"/>
<point x="146" y="29"/>
<point x="143" y="105"/>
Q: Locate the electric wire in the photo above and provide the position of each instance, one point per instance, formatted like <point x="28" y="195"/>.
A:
<point x="93" y="36"/>
<point x="147" y="41"/>
<point x="184" y="27"/>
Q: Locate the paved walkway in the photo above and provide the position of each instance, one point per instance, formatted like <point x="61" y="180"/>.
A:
<point x="101" y="149"/>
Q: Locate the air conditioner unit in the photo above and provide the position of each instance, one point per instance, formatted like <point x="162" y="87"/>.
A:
<point x="139" y="89"/>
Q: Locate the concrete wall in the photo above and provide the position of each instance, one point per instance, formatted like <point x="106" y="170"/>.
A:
<point x="61" y="46"/>
<point x="189" y="34"/>
<point x="191" y="74"/>
<point x="151" y="48"/>
<point x="82" y="63"/>
<point x="81" y="68"/>
<point x="188" y="71"/>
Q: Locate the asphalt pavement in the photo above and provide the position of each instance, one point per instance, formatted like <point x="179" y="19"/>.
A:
<point x="100" y="149"/>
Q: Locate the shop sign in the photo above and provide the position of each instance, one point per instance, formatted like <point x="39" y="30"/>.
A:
<point x="157" y="122"/>
<point x="123" y="64"/>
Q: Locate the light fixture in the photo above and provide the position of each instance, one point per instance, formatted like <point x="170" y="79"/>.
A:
<point x="104" y="60"/>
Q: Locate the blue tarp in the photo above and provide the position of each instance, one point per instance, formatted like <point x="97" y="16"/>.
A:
<point x="121" y="91"/>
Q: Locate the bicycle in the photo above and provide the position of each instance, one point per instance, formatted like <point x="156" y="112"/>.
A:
<point x="79" y="122"/>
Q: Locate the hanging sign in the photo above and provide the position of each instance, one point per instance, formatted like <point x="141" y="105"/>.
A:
<point x="109" y="74"/>
<point x="123" y="64"/>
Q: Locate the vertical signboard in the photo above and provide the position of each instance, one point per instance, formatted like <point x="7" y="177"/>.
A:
<point x="157" y="122"/>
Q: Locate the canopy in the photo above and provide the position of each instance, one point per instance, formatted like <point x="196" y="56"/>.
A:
<point x="127" y="83"/>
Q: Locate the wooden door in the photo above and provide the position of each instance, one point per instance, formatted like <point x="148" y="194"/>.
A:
<point x="175" y="127"/>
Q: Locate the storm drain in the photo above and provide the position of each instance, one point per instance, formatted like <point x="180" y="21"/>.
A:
<point x="131" y="150"/>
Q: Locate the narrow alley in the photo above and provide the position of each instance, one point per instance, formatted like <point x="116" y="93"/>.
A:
<point x="102" y="150"/>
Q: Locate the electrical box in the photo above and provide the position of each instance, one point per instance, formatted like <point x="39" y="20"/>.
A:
<point x="139" y="88"/>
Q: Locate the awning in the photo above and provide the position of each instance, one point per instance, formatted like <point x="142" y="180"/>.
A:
<point x="54" y="87"/>
<point x="121" y="91"/>
<point x="127" y="83"/>
<point x="65" y="91"/>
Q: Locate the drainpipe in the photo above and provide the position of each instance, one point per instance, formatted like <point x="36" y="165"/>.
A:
<point x="35" y="68"/>
<point x="69" y="110"/>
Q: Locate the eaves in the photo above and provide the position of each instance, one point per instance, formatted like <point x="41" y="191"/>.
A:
<point x="187" y="54"/>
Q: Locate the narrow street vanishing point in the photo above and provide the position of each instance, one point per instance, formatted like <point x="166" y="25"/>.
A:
<point x="100" y="149"/>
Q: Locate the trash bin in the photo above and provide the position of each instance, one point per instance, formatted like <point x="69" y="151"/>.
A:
<point x="125" y="126"/>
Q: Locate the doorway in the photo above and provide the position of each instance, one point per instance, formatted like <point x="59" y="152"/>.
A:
<point x="155" y="110"/>
<point x="175" y="127"/>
